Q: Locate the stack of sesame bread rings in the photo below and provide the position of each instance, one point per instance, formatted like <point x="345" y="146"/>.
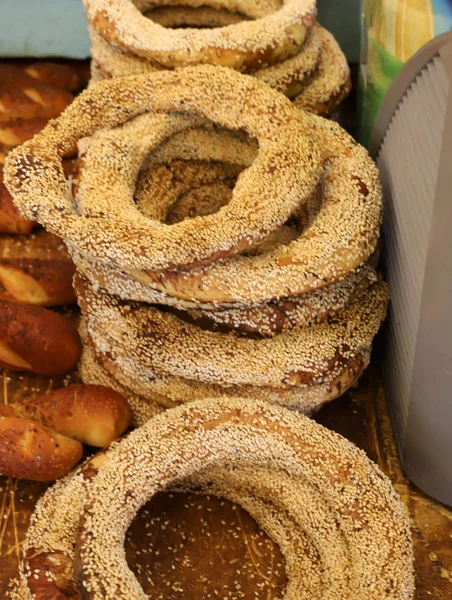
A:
<point x="225" y="241"/>
<point x="277" y="41"/>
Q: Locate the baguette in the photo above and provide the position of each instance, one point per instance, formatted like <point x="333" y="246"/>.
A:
<point x="11" y="221"/>
<point x="36" y="269"/>
<point x="36" y="340"/>
<point x="31" y="451"/>
<point x="92" y="414"/>
<point x="32" y="102"/>
<point x="17" y="132"/>
<point x="54" y="75"/>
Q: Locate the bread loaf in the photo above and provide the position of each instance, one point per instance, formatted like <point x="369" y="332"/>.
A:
<point x="54" y="75"/>
<point x="32" y="102"/>
<point x="11" y="220"/>
<point x="48" y="73"/>
<point x="17" y="132"/>
<point x="36" y="269"/>
<point x="31" y="451"/>
<point x="92" y="414"/>
<point x="36" y="339"/>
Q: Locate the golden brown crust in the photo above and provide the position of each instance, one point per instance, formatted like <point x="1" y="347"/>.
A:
<point x="54" y="75"/>
<point x="36" y="270"/>
<point x="276" y="33"/>
<point x="298" y="356"/>
<point x="30" y="451"/>
<point x="91" y="414"/>
<point x="335" y="495"/>
<point x="51" y="74"/>
<point x="17" y="132"/>
<point x="11" y="221"/>
<point x="36" y="339"/>
<point x="32" y="101"/>
<point x="275" y="175"/>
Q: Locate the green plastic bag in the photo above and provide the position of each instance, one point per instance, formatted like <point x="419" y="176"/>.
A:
<point x="393" y="30"/>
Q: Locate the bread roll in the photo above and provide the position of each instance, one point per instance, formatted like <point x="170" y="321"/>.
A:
<point x="36" y="269"/>
<point x="31" y="451"/>
<point x="92" y="414"/>
<point x="32" y="102"/>
<point x="11" y="220"/>
<point x="17" y="132"/>
<point x="54" y="75"/>
<point x="37" y="340"/>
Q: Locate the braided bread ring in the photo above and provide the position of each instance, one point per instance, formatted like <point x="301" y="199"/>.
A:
<point x="286" y="77"/>
<point x="277" y="32"/>
<point x="169" y="391"/>
<point x="298" y="356"/>
<point x="327" y="86"/>
<point x="267" y="192"/>
<point x="50" y="540"/>
<point x="92" y="372"/>
<point x="342" y="236"/>
<point x="202" y="436"/>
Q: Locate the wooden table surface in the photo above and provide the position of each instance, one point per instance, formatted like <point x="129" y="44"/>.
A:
<point x="191" y="547"/>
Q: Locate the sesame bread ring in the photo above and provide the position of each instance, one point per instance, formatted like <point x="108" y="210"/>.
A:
<point x="298" y="356"/>
<point x="342" y="236"/>
<point x="169" y="391"/>
<point x="49" y="547"/>
<point x="282" y="177"/>
<point x="300" y="311"/>
<point x="92" y="372"/>
<point x="276" y="31"/>
<point x="329" y="84"/>
<point x="286" y="76"/>
<point x="360" y="520"/>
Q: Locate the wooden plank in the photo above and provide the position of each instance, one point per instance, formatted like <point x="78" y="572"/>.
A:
<point x="194" y="547"/>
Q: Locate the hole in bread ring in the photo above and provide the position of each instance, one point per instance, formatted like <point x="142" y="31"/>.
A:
<point x="282" y="176"/>
<point x="276" y="32"/>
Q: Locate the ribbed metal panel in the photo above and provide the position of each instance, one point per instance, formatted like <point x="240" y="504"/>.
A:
<point x="409" y="160"/>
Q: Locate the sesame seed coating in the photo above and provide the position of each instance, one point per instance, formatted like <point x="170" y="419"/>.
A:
<point x="342" y="236"/>
<point x="341" y="231"/>
<point x="317" y="78"/>
<point x="271" y="318"/>
<point x="92" y="372"/>
<point x="282" y="76"/>
<point x="353" y="515"/>
<point x="339" y="523"/>
<point x="142" y="388"/>
<point x="163" y="343"/>
<point x="327" y="86"/>
<point x="275" y="33"/>
<point x="283" y="175"/>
